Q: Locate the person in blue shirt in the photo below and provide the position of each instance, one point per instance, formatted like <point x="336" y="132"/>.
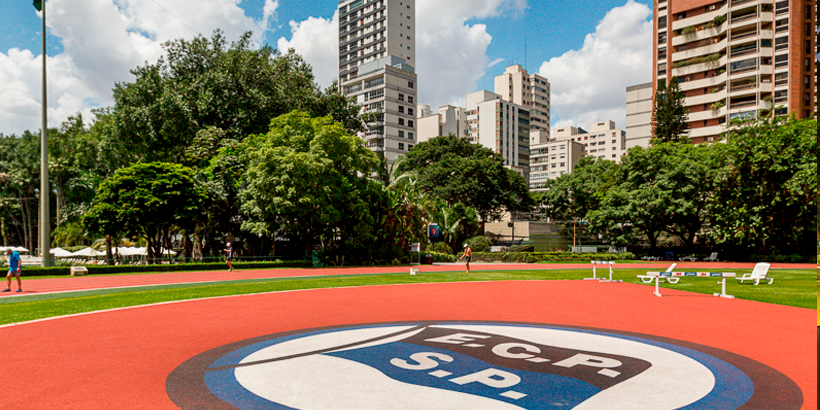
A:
<point x="14" y="269"/>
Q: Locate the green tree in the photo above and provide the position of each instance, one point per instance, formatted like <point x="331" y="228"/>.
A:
<point x="206" y="82"/>
<point x="458" y="223"/>
<point x="455" y="171"/>
<point x="572" y="196"/>
<point x="307" y="178"/>
<point x="669" y="114"/>
<point x="767" y="191"/>
<point x="147" y="200"/>
<point x="664" y="188"/>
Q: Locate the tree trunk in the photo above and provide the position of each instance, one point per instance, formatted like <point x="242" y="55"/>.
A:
<point x="187" y="246"/>
<point x="197" y="250"/>
<point x="109" y="259"/>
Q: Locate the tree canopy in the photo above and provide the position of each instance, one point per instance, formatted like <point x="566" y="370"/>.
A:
<point x="767" y="191"/>
<point x="205" y="83"/>
<point x="309" y="177"/>
<point x="455" y="171"/>
<point x="146" y="200"/>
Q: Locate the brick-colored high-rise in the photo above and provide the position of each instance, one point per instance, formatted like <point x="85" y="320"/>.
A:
<point x="735" y="58"/>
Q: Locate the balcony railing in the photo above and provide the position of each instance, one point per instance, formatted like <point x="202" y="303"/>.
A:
<point x="743" y="17"/>
<point x="744" y="35"/>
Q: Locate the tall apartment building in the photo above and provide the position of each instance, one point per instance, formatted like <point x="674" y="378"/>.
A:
<point x="551" y="160"/>
<point x="602" y="141"/>
<point x="377" y="54"/>
<point x="501" y="126"/>
<point x="736" y="58"/>
<point x="530" y="91"/>
<point x="638" y="115"/>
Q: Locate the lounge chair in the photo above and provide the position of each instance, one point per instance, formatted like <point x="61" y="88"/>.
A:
<point x="670" y="279"/>
<point x="712" y="258"/>
<point x="690" y="258"/>
<point x="760" y="272"/>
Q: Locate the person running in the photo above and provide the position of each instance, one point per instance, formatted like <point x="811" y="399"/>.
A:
<point x="229" y="256"/>
<point x="14" y="269"/>
<point x="468" y="256"/>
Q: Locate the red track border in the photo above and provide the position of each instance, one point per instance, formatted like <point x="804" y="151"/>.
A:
<point x="121" y="358"/>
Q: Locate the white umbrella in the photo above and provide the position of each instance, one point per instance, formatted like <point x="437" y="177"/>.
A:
<point x="129" y="251"/>
<point x="87" y="252"/>
<point x="60" y="252"/>
<point x="19" y="249"/>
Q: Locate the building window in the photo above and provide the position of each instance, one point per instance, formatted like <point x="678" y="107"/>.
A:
<point x="410" y="84"/>
<point x="410" y="123"/>
<point x="410" y="99"/>
<point x="401" y="146"/>
<point x="401" y="109"/>
<point x="410" y="111"/>
<point x="401" y="97"/>
<point x="401" y="134"/>
<point x="401" y="121"/>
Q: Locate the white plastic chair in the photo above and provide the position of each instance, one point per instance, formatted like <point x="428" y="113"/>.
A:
<point x="712" y="258"/>
<point x="760" y="272"/>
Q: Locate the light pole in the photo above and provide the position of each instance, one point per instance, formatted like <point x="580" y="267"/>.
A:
<point x="45" y="217"/>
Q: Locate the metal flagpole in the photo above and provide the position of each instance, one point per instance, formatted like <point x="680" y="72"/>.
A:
<point x="45" y="218"/>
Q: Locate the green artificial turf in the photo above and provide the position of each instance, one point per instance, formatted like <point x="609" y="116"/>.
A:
<point x="791" y="287"/>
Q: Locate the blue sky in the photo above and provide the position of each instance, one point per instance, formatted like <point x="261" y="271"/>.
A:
<point x="590" y="51"/>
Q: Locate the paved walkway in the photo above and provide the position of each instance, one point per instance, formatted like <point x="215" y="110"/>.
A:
<point x="66" y="284"/>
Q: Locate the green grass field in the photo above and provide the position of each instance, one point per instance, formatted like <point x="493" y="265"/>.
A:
<point x="791" y="287"/>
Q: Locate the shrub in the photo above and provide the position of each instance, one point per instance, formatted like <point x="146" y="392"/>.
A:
<point x="442" y="257"/>
<point x="440" y="247"/>
<point x="108" y="269"/>
<point x="527" y="257"/>
<point x="480" y="244"/>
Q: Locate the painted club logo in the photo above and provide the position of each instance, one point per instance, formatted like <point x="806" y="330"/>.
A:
<point x="474" y="366"/>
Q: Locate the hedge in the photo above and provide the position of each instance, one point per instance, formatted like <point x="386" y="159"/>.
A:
<point x="520" y="257"/>
<point x="441" y="257"/>
<point x="794" y="258"/>
<point x="107" y="269"/>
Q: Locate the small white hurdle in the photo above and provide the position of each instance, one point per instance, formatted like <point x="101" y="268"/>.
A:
<point x="414" y="271"/>
<point x="595" y="271"/>
<point x="722" y="275"/>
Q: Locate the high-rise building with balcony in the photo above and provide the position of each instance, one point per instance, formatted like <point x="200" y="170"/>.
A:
<point x="530" y="91"/>
<point x="501" y="126"/>
<point x="377" y="54"/>
<point x="736" y="58"/>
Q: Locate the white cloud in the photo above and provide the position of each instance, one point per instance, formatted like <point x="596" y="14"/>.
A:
<point x="452" y="54"/>
<point x="269" y="12"/>
<point x="495" y="62"/>
<point x="317" y="40"/>
<point x="589" y="84"/>
<point x="102" y="41"/>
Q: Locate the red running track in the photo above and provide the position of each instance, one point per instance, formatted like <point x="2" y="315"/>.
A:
<point x="39" y="286"/>
<point x="121" y="359"/>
